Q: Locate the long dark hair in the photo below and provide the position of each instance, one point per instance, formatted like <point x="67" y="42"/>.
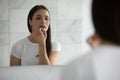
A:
<point x="30" y="15"/>
<point x="106" y="19"/>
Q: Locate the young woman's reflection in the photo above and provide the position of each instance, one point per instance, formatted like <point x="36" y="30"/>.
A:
<point x="36" y="48"/>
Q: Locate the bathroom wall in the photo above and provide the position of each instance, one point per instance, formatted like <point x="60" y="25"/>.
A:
<point x="87" y="25"/>
<point x="4" y="33"/>
<point x="66" y="21"/>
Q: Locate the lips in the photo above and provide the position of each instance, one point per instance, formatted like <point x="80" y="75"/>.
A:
<point x="43" y="28"/>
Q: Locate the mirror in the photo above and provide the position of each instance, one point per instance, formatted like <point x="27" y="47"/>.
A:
<point x="66" y="24"/>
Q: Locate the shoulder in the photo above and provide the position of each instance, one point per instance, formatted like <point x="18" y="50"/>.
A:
<point x="19" y="43"/>
<point x="80" y="68"/>
<point x="56" y="46"/>
<point x="17" y="48"/>
<point x="81" y="61"/>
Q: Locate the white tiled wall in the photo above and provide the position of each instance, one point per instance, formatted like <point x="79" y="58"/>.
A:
<point x="4" y="10"/>
<point x="4" y="33"/>
<point x="68" y="31"/>
<point x="66" y="23"/>
<point x="87" y="27"/>
<point x="69" y="9"/>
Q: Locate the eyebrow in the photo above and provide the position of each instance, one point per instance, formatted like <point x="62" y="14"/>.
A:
<point x="40" y="15"/>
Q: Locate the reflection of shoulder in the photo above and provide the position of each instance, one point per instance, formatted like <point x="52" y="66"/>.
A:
<point x="19" y="43"/>
<point x="56" y="46"/>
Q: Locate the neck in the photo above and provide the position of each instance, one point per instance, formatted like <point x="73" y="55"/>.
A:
<point x="30" y="37"/>
<point x="108" y="43"/>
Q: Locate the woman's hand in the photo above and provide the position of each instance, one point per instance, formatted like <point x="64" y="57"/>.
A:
<point x="40" y="36"/>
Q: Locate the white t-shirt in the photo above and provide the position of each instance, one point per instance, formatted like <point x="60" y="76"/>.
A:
<point x="27" y="51"/>
<point x="103" y="63"/>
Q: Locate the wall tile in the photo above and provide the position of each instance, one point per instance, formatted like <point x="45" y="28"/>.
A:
<point x="68" y="25"/>
<point x="4" y="10"/>
<point x="48" y="3"/>
<point x="4" y="39"/>
<point x="4" y="55"/>
<point x="4" y="26"/>
<point x="22" y="4"/>
<point x="18" y="20"/>
<point x="68" y="38"/>
<point x="69" y="9"/>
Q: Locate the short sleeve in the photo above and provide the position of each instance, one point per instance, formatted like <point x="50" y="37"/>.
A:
<point x="56" y="46"/>
<point x="15" y="51"/>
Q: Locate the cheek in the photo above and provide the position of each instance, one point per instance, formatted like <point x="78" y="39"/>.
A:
<point x="48" y="23"/>
<point x="36" y="23"/>
<point x="35" y="26"/>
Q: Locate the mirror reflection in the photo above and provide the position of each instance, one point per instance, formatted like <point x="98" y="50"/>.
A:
<point x="37" y="48"/>
<point x="66" y="32"/>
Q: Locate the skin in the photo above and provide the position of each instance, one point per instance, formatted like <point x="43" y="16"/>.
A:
<point x="40" y="24"/>
<point x="95" y="40"/>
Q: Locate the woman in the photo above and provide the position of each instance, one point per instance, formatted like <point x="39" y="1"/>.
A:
<point x="103" y="63"/>
<point x="36" y="48"/>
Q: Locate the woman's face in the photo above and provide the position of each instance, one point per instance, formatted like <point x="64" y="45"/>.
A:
<point x="40" y="19"/>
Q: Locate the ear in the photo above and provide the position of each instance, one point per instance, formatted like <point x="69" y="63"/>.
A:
<point x="93" y="40"/>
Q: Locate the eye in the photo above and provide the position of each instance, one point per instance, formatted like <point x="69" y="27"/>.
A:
<point x="38" y="18"/>
<point x="46" y="18"/>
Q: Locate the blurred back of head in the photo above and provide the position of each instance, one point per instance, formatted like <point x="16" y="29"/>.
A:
<point x="106" y="19"/>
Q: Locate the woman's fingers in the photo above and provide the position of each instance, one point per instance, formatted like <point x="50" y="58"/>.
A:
<point x="43" y="32"/>
<point x="40" y="31"/>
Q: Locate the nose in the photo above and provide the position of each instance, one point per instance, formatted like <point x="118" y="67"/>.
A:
<point x="43" y="21"/>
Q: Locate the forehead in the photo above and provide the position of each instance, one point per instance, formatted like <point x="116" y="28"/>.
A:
<point x="41" y="12"/>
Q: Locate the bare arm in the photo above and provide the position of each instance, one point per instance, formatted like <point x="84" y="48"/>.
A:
<point x="40" y="37"/>
<point x="14" y="61"/>
<point x="43" y="58"/>
<point x="53" y="57"/>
